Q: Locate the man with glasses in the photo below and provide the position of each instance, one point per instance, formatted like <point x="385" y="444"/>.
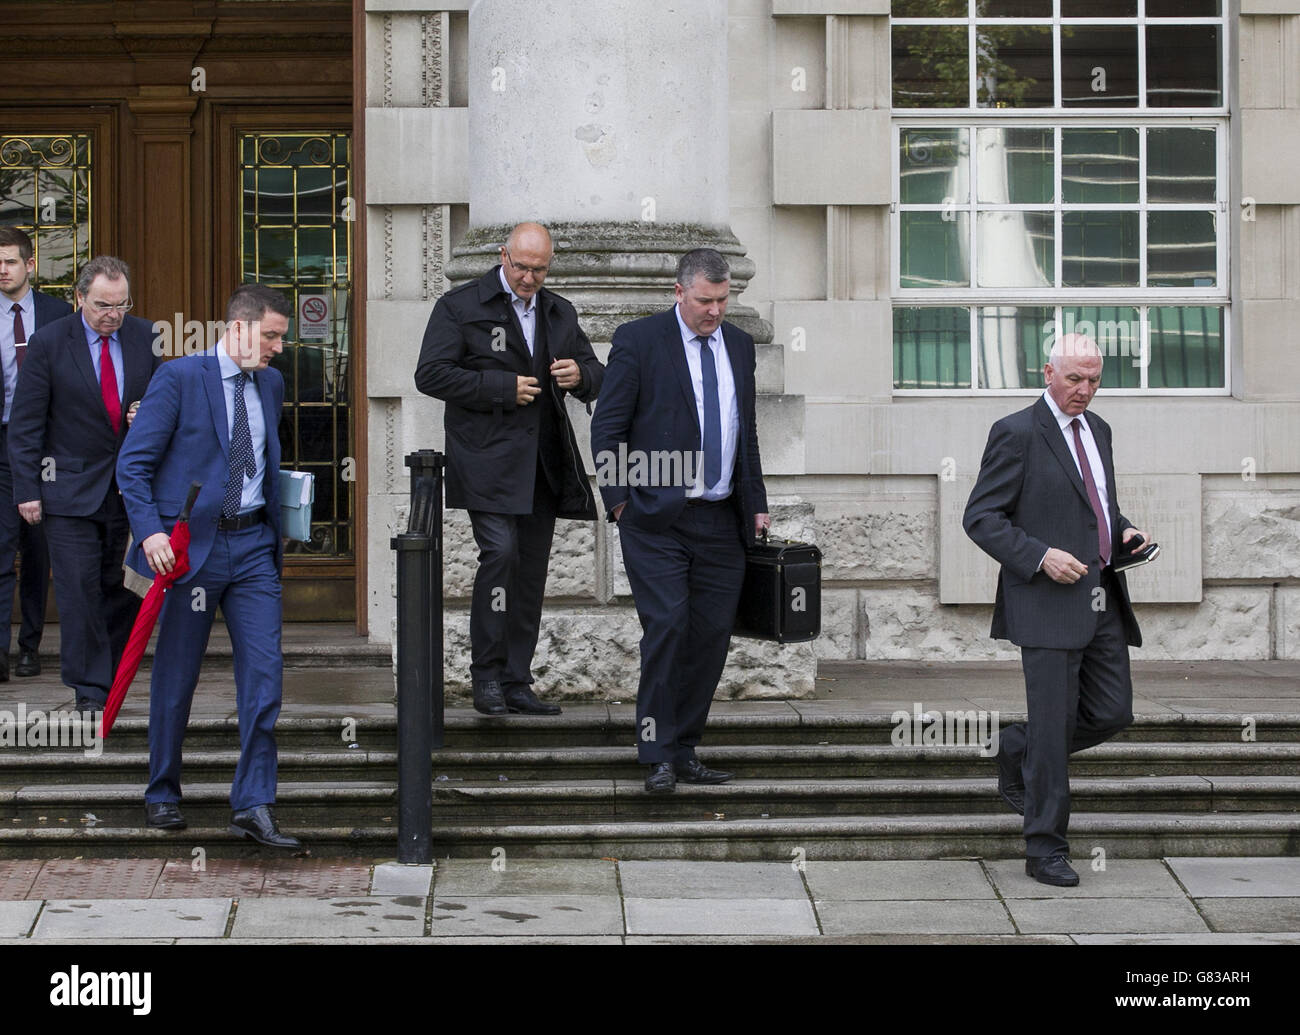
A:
<point x="80" y="378"/>
<point x="25" y="310"/>
<point x="501" y="352"/>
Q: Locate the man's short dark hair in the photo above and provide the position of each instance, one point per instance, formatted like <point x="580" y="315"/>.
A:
<point x="11" y="236"/>
<point x="705" y="261"/>
<point x="252" y="301"/>
<point x="109" y="266"/>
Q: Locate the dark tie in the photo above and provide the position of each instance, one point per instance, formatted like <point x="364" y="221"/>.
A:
<point x="1094" y="497"/>
<point x="20" y="335"/>
<point x="241" y="451"/>
<point x="108" y="387"/>
<point x="711" y="433"/>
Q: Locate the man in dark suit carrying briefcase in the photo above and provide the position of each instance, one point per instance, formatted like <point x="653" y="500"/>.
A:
<point x="1045" y="507"/>
<point x="680" y="385"/>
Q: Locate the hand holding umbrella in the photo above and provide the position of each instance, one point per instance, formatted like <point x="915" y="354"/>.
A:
<point x="169" y="564"/>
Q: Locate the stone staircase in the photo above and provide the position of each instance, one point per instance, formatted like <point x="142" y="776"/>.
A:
<point x="829" y="785"/>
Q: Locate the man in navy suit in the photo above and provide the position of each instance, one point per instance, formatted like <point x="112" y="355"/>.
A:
<point x="70" y="414"/>
<point x="1053" y="522"/>
<point x="25" y="311"/>
<point x="213" y="418"/>
<point x="676" y="450"/>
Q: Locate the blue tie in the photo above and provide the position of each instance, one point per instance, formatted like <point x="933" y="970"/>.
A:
<point x="241" y="451"/>
<point x="711" y="433"/>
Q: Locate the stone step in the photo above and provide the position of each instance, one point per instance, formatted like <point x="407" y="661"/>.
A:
<point x="593" y="726"/>
<point x="788" y="761"/>
<point x="308" y="806"/>
<point x="1095" y="837"/>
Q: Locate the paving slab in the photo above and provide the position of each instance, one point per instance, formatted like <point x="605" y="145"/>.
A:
<point x="1106" y="915"/>
<point x="1229" y="877"/>
<point x="478" y="877"/>
<point x="783" y="916"/>
<point x="17" y="877"/>
<point x="526" y="915"/>
<point x="330" y="918"/>
<point x="685" y="879"/>
<point x="16" y="918"/>
<point x="316" y="878"/>
<point x="910" y="917"/>
<point x="1122" y="878"/>
<point x="860" y="881"/>
<point x="1187" y="939"/>
<point x="133" y="918"/>
<point x="219" y="878"/>
<point x="1251" y="914"/>
<point x="394" y="878"/>
<point x="87" y="879"/>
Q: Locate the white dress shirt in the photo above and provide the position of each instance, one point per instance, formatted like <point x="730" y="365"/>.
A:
<point x="526" y="312"/>
<point x="727" y="408"/>
<point x="8" y="357"/>
<point x="1064" y="420"/>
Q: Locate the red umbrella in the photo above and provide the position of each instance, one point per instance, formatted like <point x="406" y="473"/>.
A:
<point x="148" y="615"/>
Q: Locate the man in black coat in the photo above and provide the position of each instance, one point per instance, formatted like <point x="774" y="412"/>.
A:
<point x="26" y="310"/>
<point x="501" y="352"/>
<point x="676" y="448"/>
<point x="70" y="414"/>
<point x="1053" y="522"/>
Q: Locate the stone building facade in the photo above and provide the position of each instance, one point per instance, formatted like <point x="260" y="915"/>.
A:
<point x="802" y="138"/>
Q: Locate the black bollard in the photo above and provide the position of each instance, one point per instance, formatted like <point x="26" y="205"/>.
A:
<point x="419" y="657"/>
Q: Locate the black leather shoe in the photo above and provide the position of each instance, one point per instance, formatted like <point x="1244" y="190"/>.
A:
<point x="1011" y="785"/>
<point x="29" y="664"/>
<point x="259" y="824"/>
<point x="85" y="704"/>
<point x="1052" y="869"/>
<point x="165" y="815"/>
<point x="696" y="771"/>
<point x="488" y="698"/>
<point x="4" y="668"/>
<point x="522" y="700"/>
<point x="662" y="779"/>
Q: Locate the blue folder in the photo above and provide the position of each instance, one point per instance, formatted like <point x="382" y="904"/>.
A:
<point x="297" y="494"/>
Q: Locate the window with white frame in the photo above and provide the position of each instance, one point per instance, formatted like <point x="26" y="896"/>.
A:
<point x="1059" y="166"/>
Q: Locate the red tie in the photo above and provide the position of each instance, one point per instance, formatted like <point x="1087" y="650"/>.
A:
<point x="108" y="387"/>
<point x="1094" y="497"/>
<point x="20" y="335"/>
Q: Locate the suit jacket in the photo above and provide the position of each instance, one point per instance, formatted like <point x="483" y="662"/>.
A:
<point x="472" y="352"/>
<point x="58" y="412"/>
<point x="180" y="436"/>
<point x="1029" y="496"/>
<point x="648" y="407"/>
<point x="48" y="309"/>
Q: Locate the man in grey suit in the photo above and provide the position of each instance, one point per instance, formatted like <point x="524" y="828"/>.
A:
<point x="1053" y="522"/>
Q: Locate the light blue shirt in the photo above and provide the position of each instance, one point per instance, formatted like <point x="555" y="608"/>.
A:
<point x="114" y="352"/>
<point x="525" y="312"/>
<point x="727" y="407"/>
<point x="252" y="497"/>
<point x="8" y="355"/>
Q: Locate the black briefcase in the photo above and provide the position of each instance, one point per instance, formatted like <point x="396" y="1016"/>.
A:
<point x="782" y="596"/>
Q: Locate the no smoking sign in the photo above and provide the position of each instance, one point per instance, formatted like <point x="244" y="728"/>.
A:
<point x="313" y="316"/>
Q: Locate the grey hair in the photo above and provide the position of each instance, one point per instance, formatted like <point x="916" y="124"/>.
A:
<point x="704" y="261"/>
<point x="108" y="265"/>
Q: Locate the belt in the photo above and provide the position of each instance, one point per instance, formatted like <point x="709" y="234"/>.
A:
<point x="700" y="501"/>
<point x="241" y="521"/>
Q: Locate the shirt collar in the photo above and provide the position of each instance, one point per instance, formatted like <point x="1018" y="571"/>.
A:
<point x="228" y="367"/>
<point x="92" y="335"/>
<point x="688" y="335"/>
<point x="1062" y="419"/>
<point x="27" y="303"/>
<point x="529" y="306"/>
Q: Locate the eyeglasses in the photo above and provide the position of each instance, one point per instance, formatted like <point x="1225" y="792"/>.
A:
<point x="104" y="308"/>
<point x="536" y="271"/>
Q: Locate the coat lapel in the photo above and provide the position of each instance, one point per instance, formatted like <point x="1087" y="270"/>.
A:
<point x="137" y="361"/>
<point x="80" y="350"/>
<point x="1051" y="432"/>
<point x="682" y="371"/>
<point x="217" y="402"/>
<point x="494" y="300"/>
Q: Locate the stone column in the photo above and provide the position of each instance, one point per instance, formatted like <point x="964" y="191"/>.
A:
<point x="608" y="123"/>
